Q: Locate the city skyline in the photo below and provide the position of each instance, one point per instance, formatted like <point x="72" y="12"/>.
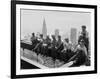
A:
<point x="32" y="21"/>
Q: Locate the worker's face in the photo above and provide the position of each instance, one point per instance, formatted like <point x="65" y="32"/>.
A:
<point x="67" y="40"/>
<point x="83" y="29"/>
<point x="81" y="43"/>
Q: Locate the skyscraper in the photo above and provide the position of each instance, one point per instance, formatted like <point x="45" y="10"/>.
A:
<point x="44" y="29"/>
<point x="56" y="33"/>
<point x="73" y="36"/>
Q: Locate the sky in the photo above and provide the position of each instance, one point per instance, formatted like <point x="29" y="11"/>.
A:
<point x="32" y="21"/>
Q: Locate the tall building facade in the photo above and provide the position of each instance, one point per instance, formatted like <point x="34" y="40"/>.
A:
<point x="44" y="29"/>
<point x="73" y="36"/>
<point x="56" y="33"/>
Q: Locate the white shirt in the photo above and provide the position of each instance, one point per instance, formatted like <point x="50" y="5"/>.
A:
<point x="82" y="48"/>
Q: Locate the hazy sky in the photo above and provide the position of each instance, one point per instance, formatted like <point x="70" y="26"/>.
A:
<point x="32" y="21"/>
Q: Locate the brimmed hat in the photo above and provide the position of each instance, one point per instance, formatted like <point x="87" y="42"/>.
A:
<point x="59" y="36"/>
<point x="33" y="34"/>
<point x="41" y="35"/>
<point x="83" y="26"/>
<point x="66" y="39"/>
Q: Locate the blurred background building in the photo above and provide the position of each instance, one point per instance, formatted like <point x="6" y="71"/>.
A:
<point x="44" y="29"/>
<point x="73" y="36"/>
<point x="56" y="33"/>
